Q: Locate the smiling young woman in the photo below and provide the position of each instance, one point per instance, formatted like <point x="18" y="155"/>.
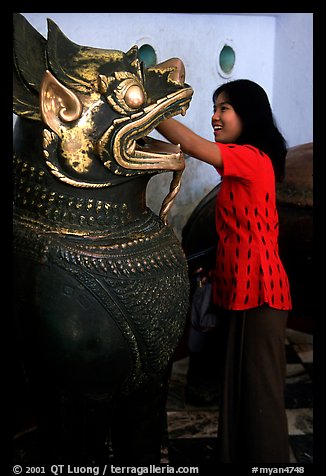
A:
<point x="250" y="284"/>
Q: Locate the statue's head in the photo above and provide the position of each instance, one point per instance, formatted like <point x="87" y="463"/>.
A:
<point x="97" y="106"/>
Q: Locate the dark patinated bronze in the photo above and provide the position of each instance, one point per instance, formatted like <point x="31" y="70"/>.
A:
<point x="100" y="281"/>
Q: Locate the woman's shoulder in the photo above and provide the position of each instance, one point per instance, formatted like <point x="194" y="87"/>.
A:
<point x="242" y="148"/>
<point x="245" y="160"/>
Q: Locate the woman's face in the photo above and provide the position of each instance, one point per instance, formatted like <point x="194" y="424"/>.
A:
<point x="227" y="125"/>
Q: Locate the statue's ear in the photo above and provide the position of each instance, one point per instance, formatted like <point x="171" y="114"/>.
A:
<point x="58" y="104"/>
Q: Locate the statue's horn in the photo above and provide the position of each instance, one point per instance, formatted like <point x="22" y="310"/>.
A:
<point x="76" y="66"/>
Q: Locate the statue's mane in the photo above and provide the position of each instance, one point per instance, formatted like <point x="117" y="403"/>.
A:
<point x="75" y="66"/>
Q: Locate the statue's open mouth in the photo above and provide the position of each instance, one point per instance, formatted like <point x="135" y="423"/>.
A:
<point x="131" y="146"/>
<point x="149" y="145"/>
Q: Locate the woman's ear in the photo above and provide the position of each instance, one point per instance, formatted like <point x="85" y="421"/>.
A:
<point x="58" y="104"/>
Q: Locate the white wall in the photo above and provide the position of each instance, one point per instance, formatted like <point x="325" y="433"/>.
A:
<point x="293" y="76"/>
<point x="274" y="50"/>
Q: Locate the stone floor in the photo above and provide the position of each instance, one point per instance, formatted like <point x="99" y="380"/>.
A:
<point x="192" y="430"/>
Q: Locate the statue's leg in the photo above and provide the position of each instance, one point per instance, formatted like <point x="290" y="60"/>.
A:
<point x="76" y="358"/>
<point x="139" y="424"/>
<point x="71" y="427"/>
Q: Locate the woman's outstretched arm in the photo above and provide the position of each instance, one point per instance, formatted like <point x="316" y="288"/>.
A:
<point x="191" y="143"/>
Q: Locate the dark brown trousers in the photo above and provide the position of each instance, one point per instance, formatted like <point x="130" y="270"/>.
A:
<point x="252" y="423"/>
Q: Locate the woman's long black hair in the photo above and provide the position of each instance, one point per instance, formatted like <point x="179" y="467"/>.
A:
<point x="250" y="102"/>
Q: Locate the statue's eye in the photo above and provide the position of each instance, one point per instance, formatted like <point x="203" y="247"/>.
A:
<point x="129" y="95"/>
<point x="134" y="96"/>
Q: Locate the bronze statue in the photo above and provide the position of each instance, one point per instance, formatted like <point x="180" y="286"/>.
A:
<point x="100" y="281"/>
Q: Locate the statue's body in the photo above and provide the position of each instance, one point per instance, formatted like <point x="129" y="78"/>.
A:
<point x="101" y="284"/>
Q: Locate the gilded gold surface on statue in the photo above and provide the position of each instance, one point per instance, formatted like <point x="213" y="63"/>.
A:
<point x="83" y="157"/>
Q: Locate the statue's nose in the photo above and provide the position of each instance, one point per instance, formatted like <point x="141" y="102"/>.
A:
<point x="179" y="73"/>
